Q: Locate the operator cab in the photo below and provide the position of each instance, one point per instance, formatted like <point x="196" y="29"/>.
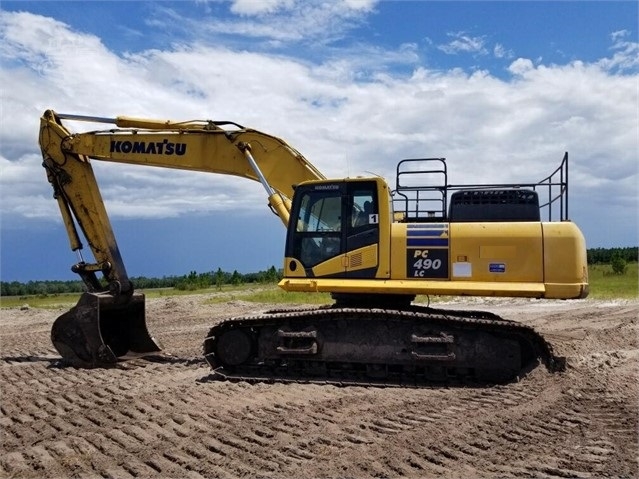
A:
<point x="330" y="219"/>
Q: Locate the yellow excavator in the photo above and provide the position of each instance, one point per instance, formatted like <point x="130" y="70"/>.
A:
<point x="373" y="247"/>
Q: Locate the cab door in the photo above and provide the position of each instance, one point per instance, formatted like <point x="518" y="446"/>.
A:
<point x="361" y="231"/>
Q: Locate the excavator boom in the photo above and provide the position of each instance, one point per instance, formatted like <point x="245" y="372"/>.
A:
<point x="109" y="319"/>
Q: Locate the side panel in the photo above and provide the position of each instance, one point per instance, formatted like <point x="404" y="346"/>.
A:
<point x="413" y="244"/>
<point x="490" y="259"/>
<point x="483" y="252"/>
<point x="566" y="261"/>
<point x="497" y="252"/>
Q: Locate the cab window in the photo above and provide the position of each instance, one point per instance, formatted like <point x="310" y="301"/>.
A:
<point x="319" y="227"/>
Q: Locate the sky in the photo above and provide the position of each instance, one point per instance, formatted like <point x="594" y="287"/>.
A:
<point x="501" y="89"/>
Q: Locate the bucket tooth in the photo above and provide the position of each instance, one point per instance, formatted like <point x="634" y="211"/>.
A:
<point x="100" y="328"/>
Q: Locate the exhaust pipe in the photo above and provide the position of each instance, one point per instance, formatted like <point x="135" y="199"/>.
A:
<point x="101" y="328"/>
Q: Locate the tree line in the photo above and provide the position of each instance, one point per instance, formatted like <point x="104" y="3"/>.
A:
<point x="188" y="282"/>
<point x="617" y="257"/>
<point x="608" y="255"/>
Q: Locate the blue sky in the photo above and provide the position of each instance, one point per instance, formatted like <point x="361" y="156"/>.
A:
<point x="501" y="89"/>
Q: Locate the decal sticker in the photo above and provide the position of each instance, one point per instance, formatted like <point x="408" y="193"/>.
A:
<point x="462" y="269"/>
<point x="427" y="263"/>
<point x="497" y="267"/>
<point x="427" y="251"/>
<point x="164" y="147"/>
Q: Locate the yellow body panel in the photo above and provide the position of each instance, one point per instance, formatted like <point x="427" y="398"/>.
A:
<point x="565" y="261"/>
<point x="390" y="286"/>
<point x="515" y="259"/>
<point x="355" y="260"/>
<point x="362" y="258"/>
<point x="497" y="252"/>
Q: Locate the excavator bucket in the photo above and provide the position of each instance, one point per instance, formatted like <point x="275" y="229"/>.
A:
<point x="100" y="329"/>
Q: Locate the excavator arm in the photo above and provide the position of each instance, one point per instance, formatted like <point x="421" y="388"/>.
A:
<point x="108" y="321"/>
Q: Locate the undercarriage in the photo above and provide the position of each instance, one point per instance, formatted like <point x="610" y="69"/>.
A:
<point x="376" y="346"/>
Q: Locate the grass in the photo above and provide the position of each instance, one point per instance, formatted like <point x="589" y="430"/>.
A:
<point x="603" y="285"/>
<point x="606" y="285"/>
<point x="48" y="301"/>
<point x="273" y="294"/>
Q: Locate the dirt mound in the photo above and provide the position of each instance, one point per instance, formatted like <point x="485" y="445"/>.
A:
<point x="164" y="418"/>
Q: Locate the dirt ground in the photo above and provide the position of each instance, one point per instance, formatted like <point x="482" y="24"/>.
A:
<point x="167" y="419"/>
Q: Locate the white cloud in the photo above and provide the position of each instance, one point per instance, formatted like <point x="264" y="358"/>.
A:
<point x="521" y="66"/>
<point x="499" y="51"/>
<point x="348" y="114"/>
<point x="255" y="7"/>
<point x="626" y="54"/>
<point x="619" y="35"/>
<point x="24" y="190"/>
<point x="461" y="42"/>
<point x="276" y="22"/>
<point x="259" y="7"/>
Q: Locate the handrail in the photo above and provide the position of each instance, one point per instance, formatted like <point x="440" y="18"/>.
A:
<point x="414" y="199"/>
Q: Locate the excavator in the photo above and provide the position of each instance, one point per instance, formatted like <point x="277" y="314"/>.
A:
<point x="374" y="248"/>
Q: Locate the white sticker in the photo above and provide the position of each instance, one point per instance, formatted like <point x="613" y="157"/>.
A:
<point x="462" y="270"/>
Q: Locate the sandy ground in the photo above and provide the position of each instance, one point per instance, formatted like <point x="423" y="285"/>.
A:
<point x="166" y="419"/>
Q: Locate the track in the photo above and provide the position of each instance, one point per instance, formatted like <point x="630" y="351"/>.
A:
<point x="376" y="347"/>
<point x="163" y="417"/>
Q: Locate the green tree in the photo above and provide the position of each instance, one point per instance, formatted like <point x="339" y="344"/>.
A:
<point x="272" y="275"/>
<point x="236" y="278"/>
<point x="218" y="279"/>
<point x="618" y="264"/>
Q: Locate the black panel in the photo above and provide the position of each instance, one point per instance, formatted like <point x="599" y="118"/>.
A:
<point x="494" y="205"/>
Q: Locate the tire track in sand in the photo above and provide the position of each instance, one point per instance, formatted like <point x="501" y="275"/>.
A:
<point x="157" y="418"/>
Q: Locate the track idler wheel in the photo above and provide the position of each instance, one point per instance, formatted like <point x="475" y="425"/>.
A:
<point x="100" y="328"/>
<point x="232" y="348"/>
